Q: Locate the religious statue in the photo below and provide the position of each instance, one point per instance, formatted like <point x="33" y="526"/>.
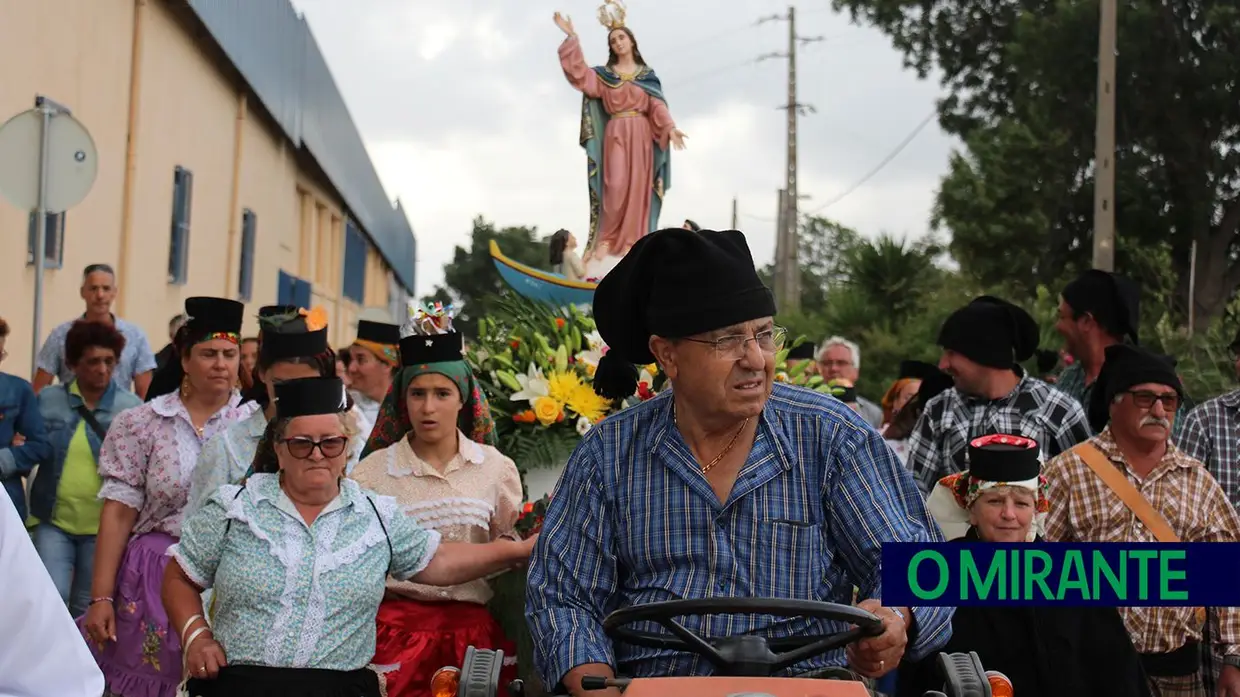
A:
<point x="626" y="131"/>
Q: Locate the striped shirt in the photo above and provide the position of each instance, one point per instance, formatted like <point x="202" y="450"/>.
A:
<point x="1084" y="509"/>
<point x="1211" y="434"/>
<point x="633" y="521"/>
<point x="939" y="445"/>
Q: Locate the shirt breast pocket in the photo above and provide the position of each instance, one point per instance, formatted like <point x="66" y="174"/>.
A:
<point x="788" y="559"/>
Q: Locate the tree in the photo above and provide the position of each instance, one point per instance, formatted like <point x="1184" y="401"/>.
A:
<point x="1022" y="81"/>
<point x="470" y="279"/>
<point x="823" y="246"/>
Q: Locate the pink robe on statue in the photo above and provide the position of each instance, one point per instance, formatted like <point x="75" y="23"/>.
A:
<point x="637" y="122"/>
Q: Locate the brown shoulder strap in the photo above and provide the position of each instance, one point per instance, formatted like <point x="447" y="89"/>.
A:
<point x="1115" y="480"/>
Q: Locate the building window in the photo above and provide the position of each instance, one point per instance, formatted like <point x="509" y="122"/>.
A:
<point x="54" y="240"/>
<point x="293" y="290"/>
<point x="182" y="200"/>
<point x="354" y="286"/>
<point x="245" y="282"/>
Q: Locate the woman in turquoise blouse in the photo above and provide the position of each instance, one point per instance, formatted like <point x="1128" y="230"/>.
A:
<point x="298" y="556"/>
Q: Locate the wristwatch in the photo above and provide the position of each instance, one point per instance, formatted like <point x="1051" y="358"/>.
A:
<point x="1231" y="660"/>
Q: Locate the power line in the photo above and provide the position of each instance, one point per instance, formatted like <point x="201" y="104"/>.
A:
<point x="878" y="168"/>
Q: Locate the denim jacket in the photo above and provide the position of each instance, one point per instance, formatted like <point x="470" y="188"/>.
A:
<point x="19" y="413"/>
<point x="58" y="406"/>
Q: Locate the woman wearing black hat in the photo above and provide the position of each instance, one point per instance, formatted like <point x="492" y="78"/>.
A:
<point x="145" y="463"/>
<point x="292" y="344"/>
<point x="433" y="449"/>
<point x="374" y="359"/>
<point x="1045" y="651"/>
<point x="297" y="557"/>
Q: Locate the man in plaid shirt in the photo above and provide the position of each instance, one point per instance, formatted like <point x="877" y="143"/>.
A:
<point x="1133" y="405"/>
<point x="982" y="344"/>
<point x="1097" y="310"/>
<point x="1211" y="434"/>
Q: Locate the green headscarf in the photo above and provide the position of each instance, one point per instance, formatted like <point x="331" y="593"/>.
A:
<point x="393" y="423"/>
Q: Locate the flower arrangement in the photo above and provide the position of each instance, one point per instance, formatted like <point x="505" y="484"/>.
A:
<point x="530" y="521"/>
<point x="536" y="364"/>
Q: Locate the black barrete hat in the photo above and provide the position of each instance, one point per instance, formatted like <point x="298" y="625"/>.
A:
<point x="1123" y="367"/>
<point x="917" y="370"/>
<point x="285" y="334"/>
<point x="673" y="283"/>
<point x="418" y="349"/>
<point x="378" y="332"/>
<point x="310" y="397"/>
<point x="1113" y="300"/>
<point x="212" y="316"/>
<point x="991" y="332"/>
<point x="1004" y="458"/>
<point x="932" y="385"/>
<point x="802" y="352"/>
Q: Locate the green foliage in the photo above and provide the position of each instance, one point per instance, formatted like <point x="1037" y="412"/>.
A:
<point x="471" y="281"/>
<point x="1022" y="82"/>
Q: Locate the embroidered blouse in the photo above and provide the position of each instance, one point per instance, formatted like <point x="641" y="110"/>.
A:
<point x="227" y="458"/>
<point x="149" y="454"/>
<point x="292" y="595"/>
<point x="476" y="498"/>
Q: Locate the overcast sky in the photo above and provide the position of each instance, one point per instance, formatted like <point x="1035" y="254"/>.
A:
<point x="465" y="112"/>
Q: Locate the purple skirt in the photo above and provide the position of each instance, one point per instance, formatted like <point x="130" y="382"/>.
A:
<point x="145" y="659"/>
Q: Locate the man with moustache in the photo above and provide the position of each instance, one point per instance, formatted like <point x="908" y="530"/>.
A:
<point x="727" y="485"/>
<point x="1133" y="407"/>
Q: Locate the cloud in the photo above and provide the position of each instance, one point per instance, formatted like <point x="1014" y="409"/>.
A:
<point x="465" y="112"/>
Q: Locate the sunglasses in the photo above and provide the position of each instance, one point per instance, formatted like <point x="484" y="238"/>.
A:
<point x="1145" y="400"/>
<point x="303" y="448"/>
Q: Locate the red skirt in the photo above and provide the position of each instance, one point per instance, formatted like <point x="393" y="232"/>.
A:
<point x="415" y="639"/>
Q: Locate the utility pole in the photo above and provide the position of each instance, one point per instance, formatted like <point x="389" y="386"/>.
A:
<point x="1104" y="142"/>
<point x="787" y="268"/>
<point x="735" y="222"/>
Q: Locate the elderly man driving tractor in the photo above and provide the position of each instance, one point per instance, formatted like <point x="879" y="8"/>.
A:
<point x="751" y="511"/>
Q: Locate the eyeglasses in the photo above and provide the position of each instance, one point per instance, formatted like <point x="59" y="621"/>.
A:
<point x="735" y="346"/>
<point x="303" y="448"/>
<point x="1145" y="400"/>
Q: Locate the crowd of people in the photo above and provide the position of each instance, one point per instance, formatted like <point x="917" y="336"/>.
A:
<point x="269" y="516"/>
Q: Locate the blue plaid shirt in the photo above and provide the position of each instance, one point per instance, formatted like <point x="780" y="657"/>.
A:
<point x="634" y="521"/>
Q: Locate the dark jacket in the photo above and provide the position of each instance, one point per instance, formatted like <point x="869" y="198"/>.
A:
<point x="19" y="413"/>
<point x="1045" y="651"/>
<point x="59" y="409"/>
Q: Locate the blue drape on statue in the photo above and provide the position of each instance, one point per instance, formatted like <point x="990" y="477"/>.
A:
<point x="594" y="120"/>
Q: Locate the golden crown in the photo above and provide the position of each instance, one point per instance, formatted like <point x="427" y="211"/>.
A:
<point x="611" y="14"/>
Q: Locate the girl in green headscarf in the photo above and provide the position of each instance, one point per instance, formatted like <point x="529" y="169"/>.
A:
<point x="433" y="449"/>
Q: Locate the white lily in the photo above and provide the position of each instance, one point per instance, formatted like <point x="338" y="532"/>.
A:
<point x="533" y="385"/>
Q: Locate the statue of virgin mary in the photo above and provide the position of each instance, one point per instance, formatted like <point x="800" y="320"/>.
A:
<point x="627" y="132"/>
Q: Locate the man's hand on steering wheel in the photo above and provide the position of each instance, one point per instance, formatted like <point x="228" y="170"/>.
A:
<point x="876" y="656"/>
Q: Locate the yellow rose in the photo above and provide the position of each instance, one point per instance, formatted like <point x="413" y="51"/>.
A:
<point x="547" y="410"/>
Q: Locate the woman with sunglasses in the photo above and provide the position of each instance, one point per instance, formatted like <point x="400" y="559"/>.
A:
<point x="433" y="450"/>
<point x="292" y="344"/>
<point x="298" y="556"/>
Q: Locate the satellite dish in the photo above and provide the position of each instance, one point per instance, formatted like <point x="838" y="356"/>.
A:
<point x="72" y="161"/>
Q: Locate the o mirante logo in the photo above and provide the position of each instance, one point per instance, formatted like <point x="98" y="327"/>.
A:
<point x="1111" y="574"/>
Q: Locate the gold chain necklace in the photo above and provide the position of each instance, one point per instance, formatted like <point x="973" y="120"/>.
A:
<point x="727" y="449"/>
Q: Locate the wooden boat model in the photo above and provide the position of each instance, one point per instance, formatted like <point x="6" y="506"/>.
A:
<point x="542" y="286"/>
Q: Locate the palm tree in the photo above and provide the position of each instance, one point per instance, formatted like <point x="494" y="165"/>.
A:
<point x="891" y="275"/>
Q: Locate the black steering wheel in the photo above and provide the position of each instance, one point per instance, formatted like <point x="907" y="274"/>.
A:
<point x="745" y="655"/>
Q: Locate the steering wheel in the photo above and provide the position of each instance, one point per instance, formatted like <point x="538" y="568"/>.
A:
<point x="745" y="655"/>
